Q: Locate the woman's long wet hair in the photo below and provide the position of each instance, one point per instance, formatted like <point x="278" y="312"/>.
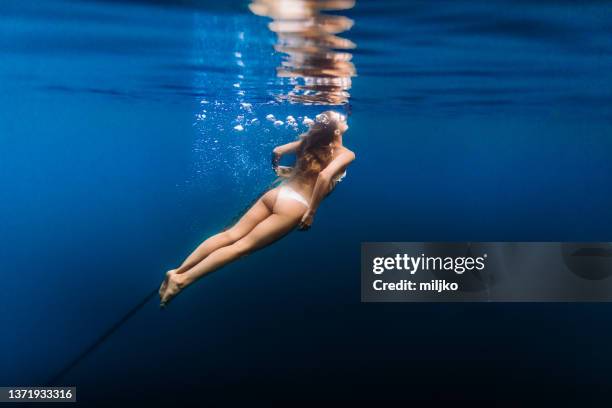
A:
<point x="314" y="153"/>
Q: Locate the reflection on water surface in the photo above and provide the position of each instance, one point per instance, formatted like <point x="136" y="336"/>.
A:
<point x="317" y="59"/>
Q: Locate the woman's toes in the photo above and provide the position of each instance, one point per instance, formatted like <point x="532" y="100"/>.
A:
<point x="164" y="284"/>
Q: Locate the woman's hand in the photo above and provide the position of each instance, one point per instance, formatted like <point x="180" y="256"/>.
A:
<point x="276" y="156"/>
<point x="283" y="171"/>
<point x="306" y="220"/>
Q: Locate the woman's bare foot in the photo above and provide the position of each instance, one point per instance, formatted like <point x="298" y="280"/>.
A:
<point x="175" y="283"/>
<point x="163" y="285"/>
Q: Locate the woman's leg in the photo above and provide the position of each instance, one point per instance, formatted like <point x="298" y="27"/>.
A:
<point x="257" y="213"/>
<point x="269" y="230"/>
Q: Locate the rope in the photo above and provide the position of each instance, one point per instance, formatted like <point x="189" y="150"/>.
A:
<point x="101" y="339"/>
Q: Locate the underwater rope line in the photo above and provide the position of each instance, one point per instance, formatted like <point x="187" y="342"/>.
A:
<point x="130" y="313"/>
<point x="101" y="339"/>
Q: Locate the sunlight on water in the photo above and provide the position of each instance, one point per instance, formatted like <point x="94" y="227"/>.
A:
<point x="309" y="40"/>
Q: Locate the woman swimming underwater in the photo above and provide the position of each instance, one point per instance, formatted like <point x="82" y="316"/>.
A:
<point x="321" y="161"/>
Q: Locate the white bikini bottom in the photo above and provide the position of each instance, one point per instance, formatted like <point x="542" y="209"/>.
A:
<point x="287" y="192"/>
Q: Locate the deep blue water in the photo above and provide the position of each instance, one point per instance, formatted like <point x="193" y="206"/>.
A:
<point x="481" y="121"/>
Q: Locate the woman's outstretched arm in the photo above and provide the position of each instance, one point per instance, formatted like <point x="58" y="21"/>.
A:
<point x="287" y="148"/>
<point x="323" y="184"/>
<point x="282" y="150"/>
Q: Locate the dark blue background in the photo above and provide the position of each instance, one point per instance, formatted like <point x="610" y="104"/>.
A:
<point x="470" y="121"/>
